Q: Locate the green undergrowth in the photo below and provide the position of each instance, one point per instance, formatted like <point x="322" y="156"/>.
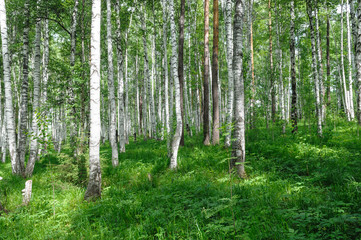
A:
<point x="299" y="187"/>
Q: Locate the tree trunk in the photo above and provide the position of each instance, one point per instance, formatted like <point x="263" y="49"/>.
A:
<point x="272" y="87"/>
<point x="239" y="141"/>
<point x="293" y="71"/>
<point x="10" y="122"/>
<point x="121" y="114"/>
<point x="315" y="71"/>
<point x="206" y="137"/>
<point x="35" y="128"/>
<point x="215" y="89"/>
<point x="346" y="94"/>
<point x="181" y="63"/>
<point x="178" y="132"/>
<point x="113" y="111"/>
<point x="165" y="66"/>
<point x="24" y="91"/>
<point x="94" y="184"/>
<point x="229" y="44"/>
<point x="358" y="61"/>
<point x="350" y="76"/>
<point x="328" y="81"/>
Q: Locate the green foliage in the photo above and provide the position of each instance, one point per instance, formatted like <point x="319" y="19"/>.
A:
<point x="299" y="187"/>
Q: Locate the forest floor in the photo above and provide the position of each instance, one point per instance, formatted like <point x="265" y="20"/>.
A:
<point x="298" y="188"/>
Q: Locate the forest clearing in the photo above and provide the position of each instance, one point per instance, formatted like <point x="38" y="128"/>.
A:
<point x="188" y="119"/>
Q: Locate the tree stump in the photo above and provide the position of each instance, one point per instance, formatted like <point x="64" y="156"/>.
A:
<point x="27" y="192"/>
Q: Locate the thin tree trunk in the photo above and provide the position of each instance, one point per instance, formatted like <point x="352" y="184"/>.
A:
<point x="94" y="184"/>
<point x="121" y="114"/>
<point x="272" y="87"/>
<point x="229" y="42"/>
<point x="113" y="111"/>
<point x="293" y="70"/>
<point x="165" y="66"/>
<point x="315" y="71"/>
<point x="346" y="95"/>
<point x="253" y="85"/>
<point x="215" y="87"/>
<point x="350" y="76"/>
<point x="206" y="137"/>
<point x="181" y="63"/>
<point x="358" y="61"/>
<point x="328" y="82"/>
<point x="239" y="141"/>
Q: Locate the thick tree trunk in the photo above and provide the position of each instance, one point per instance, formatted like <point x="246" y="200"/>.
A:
<point x="239" y="141"/>
<point x="229" y="44"/>
<point x="215" y="87"/>
<point x="35" y="128"/>
<point x="9" y="112"/>
<point x="293" y="71"/>
<point x="113" y="111"/>
<point x="94" y="184"/>
<point x="206" y="137"/>
<point x="24" y="91"/>
<point x="178" y="131"/>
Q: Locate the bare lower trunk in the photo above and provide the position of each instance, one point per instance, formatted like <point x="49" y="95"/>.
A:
<point x="294" y="116"/>
<point x="206" y="137"/>
<point x="238" y="142"/>
<point x="215" y="87"/>
<point x="113" y="111"/>
<point x="35" y="128"/>
<point x="94" y="184"/>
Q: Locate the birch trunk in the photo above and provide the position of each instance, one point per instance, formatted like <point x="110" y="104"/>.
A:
<point x="24" y="91"/>
<point x="206" y="134"/>
<point x="121" y="114"/>
<point x="272" y="82"/>
<point x="94" y="184"/>
<point x="178" y="131"/>
<point x="315" y="71"/>
<point x="34" y="126"/>
<point x="294" y="116"/>
<point x="346" y="95"/>
<point x="229" y="42"/>
<point x="320" y="66"/>
<point x="165" y="58"/>
<point x="358" y="61"/>
<point x="113" y="111"/>
<point x="350" y="76"/>
<point x="238" y="142"/>
<point x="9" y="112"/>
<point x="181" y="63"/>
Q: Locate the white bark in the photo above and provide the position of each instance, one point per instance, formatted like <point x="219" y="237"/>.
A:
<point x="26" y="192"/>
<point x="121" y="113"/>
<point x="165" y="66"/>
<point x="10" y="122"/>
<point x="24" y="91"/>
<point x="113" y="111"/>
<point x="94" y="185"/>
<point x="229" y="42"/>
<point x="174" y="66"/>
<point x="350" y="76"/>
<point x="36" y="110"/>
<point x="239" y="141"/>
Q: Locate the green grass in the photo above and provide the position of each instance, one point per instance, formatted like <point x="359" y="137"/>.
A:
<point x="299" y="187"/>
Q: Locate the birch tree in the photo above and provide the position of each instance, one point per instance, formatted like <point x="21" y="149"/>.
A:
<point x="24" y="90"/>
<point x="238" y="142"/>
<point x="174" y="65"/>
<point x="294" y="116"/>
<point x="165" y="67"/>
<point x="113" y="111"/>
<point x="229" y="44"/>
<point x="94" y="184"/>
